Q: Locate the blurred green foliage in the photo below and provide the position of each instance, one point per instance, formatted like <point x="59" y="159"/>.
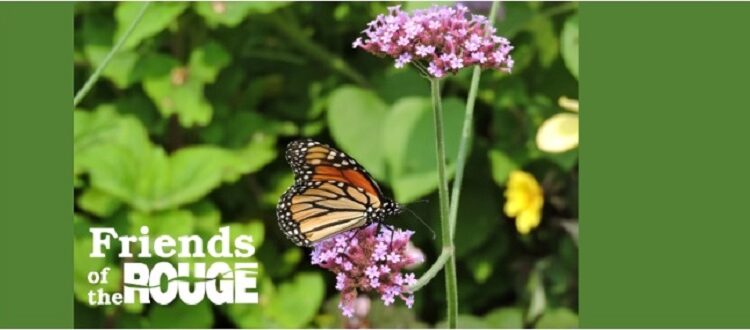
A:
<point x="185" y="132"/>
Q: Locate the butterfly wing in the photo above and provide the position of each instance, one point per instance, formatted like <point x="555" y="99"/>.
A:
<point x="317" y="162"/>
<point x="332" y="193"/>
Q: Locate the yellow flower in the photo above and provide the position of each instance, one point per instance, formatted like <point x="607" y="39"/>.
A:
<point x="524" y="199"/>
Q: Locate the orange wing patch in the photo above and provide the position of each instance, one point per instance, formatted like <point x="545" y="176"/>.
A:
<point x="357" y="179"/>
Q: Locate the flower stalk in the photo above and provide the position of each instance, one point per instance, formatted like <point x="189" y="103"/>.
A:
<point x="466" y="137"/>
<point x="451" y="287"/>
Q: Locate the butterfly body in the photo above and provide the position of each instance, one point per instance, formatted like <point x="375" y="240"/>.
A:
<point x="331" y="194"/>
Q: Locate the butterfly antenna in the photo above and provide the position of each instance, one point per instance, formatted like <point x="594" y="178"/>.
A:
<point x="422" y="221"/>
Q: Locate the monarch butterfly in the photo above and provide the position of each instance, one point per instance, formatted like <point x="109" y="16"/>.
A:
<point x="331" y="194"/>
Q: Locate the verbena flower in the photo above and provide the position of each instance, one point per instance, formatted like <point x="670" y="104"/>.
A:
<point x="524" y="201"/>
<point x="437" y="40"/>
<point x="368" y="261"/>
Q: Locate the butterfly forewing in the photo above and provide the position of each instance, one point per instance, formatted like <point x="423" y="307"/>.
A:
<point x="332" y="193"/>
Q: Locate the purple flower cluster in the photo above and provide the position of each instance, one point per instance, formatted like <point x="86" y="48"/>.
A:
<point x="438" y="40"/>
<point x="368" y="261"/>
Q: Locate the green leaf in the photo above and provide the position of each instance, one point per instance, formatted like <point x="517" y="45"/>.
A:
<point x="249" y="316"/>
<point x="184" y="98"/>
<point x="253" y="228"/>
<point x="98" y="203"/>
<point x="545" y="39"/>
<point x="158" y="17"/>
<point x="559" y="318"/>
<point x="396" y="316"/>
<point x="97" y="33"/>
<point x="410" y="144"/>
<point x="356" y="117"/>
<point x="154" y="65"/>
<point x="260" y="151"/>
<point x="538" y="296"/>
<point x="569" y="44"/>
<point x="501" y="165"/>
<point x="399" y="83"/>
<point x="104" y="127"/>
<point x="174" y="223"/>
<point x="181" y="315"/>
<point x="297" y="302"/>
<point x="151" y="180"/>
<point x="231" y="13"/>
<point x="505" y="318"/>
<point x="477" y="213"/>
<point x="207" y="60"/>
<point x="207" y="218"/>
<point x="516" y="18"/>
<point x="83" y="265"/>
<point x="465" y="322"/>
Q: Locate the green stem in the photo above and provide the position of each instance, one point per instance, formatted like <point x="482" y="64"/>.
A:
<point x="95" y="76"/>
<point x="434" y="269"/>
<point x="466" y="137"/>
<point x="451" y="288"/>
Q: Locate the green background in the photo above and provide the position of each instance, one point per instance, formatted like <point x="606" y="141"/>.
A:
<point x="663" y="165"/>
<point x="36" y="89"/>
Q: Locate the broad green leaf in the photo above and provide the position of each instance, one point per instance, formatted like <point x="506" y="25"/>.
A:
<point x="178" y="93"/>
<point x="409" y="142"/>
<point x="396" y="316"/>
<point x="465" y="321"/>
<point x="207" y="218"/>
<point x="253" y="228"/>
<point x="399" y="83"/>
<point x="255" y="316"/>
<point x="228" y="13"/>
<point x="569" y="44"/>
<point x="356" y="117"/>
<point x="207" y="60"/>
<point x="173" y="223"/>
<point x="260" y="151"/>
<point x="231" y="13"/>
<point x="517" y="16"/>
<point x="98" y="203"/>
<point x="181" y="315"/>
<point x="545" y="39"/>
<point x="158" y="17"/>
<point x="280" y="181"/>
<point x="501" y="165"/>
<point x="122" y="162"/>
<point x="101" y="128"/>
<point x="181" y="91"/>
<point x="83" y="265"/>
<point x="477" y="213"/>
<point x="559" y="318"/>
<point x="505" y="318"/>
<point x="537" y="294"/>
<point x="151" y="180"/>
<point x="297" y="302"/>
<point x="153" y="65"/>
<point x="97" y="34"/>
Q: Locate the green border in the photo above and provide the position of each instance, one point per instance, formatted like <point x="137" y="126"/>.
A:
<point x="665" y="165"/>
<point x="36" y="127"/>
